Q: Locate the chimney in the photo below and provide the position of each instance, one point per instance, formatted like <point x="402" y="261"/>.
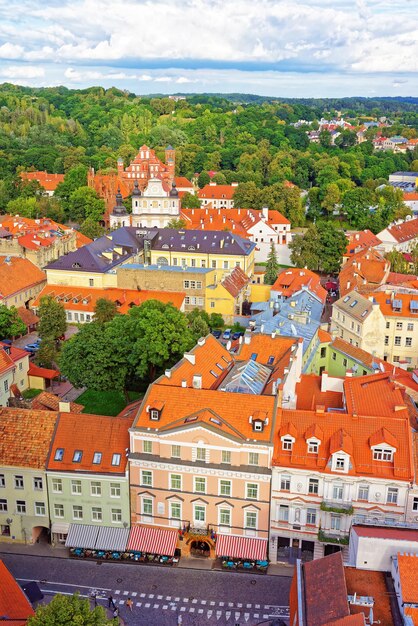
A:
<point x="320" y="409"/>
<point x="197" y="381"/>
<point x="201" y="341"/>
<point x="264" y="213"/>
<point x="247" y="338"/>
<point x="184" y="383"/>
<point x="221" y="243"/>
<point x="64" y="407"/>
<point x="399" y="407"/>
<point x="349" y="373"/>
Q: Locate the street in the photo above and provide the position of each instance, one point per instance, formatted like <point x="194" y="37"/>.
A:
<point x="161" y="595"/>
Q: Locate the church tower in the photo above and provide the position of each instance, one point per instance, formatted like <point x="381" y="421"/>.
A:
<point x="170" y="161"/>
<point x="119" y="215"/>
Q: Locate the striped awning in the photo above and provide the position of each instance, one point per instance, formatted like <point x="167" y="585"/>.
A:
<point x="82" y="536"/>
<point x="112" y="539"/>
<point x="237" y="547"/>
<point x="153" y="540"/>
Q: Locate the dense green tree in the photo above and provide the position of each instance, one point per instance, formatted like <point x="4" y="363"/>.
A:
<point x="53" y="321"/>
<point x="203" y="179"/>
<point x="356" y="205"/>
<point x="25" y="207"/>
<point x="331" y="198"/>
<point x="91" y="228"/>
<point x="104" y="310"/>
<point x="190" y="201"/>
<point x="83" y="204"/>
<point x="47" y="353"/>
<point x="272" y="266"/>
<point x="397" y="261"/>
<point x="10" y="323"/>
<point x="199" y="327"/>
<point x="70" y="611"/>
<point x="176" y="223"/>
<point x="321" y="248"/>
<point x="76" y="177"/>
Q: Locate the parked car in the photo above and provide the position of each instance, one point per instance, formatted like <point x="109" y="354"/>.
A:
<point x="237" y="335"/>
<point x="32" y="347"/>
<point x="227" y="334"/>
<point x="8" y="342"/>
<point x="216" y="333"/>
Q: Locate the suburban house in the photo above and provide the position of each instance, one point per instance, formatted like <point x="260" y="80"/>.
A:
<point x="20" y="281"/>
<point x="80" y="302"/>
<point x="218" y="196"/>
<point x="343" y="455"/>
<point x="291" y="281"/>
<point x="24" y="448"/>
<point x="87" y="473"/>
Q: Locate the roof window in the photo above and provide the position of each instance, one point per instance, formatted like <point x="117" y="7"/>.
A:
<point x="97" y="458"/>
<point x="59" y="454"/>
<point x="154" y="414"/>
<point x="346" y="299"/>
<point x="254" y="356"/>
<point x="116" y="459"/>
<point x="214" y="373"/>
<point x="78" y="455"/>
<point x="192" y="418"/>
<point x="271" y="360"/>
<point x="353" y="303"/>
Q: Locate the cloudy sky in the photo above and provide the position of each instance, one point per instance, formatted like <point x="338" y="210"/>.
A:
<point x="271" y="47"/>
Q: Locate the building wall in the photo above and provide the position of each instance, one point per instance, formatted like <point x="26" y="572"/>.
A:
<point x="367" y="334"/>
<point x="69" y="497"/>
<point x="259" y="292"/>
<point x="336" y="363"/>
<point x="24" y="296"/>
<point x="25" y="527"/>
<point x="223" y="262"/>
<point x="399" y="332"/>
<point x="42" y="255"/>
<point x="81" y="279"/>
<point x="6" y="381"/>
<point x="376" y="554"/>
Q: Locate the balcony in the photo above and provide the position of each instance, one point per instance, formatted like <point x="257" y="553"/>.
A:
<point x="341" y="508"/>
<point x="373" y="521"/>
<point x="330" y="537"/>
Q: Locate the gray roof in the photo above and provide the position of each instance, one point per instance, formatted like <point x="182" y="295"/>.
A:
<point x="298" y="316"/>
<point x="355" y="304"/>
<point x="205" y="241"/>
<point x="411" y="174"/>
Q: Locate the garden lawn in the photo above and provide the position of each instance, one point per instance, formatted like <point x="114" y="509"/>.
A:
<point x="105" y="402"/>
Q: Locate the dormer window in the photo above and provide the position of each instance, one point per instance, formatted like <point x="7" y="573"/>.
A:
<point x="258" y="426"/>
<point x="383" y="454"/>
<point x="287" y="443"/>
<point x="154" y="414"/>
<point x="313" y="446"/>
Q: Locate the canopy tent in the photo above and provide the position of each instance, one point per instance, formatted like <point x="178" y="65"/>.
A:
<point x="238" y="547"/>
<point x="153" y="540"/>
<point x="114" y="539"/>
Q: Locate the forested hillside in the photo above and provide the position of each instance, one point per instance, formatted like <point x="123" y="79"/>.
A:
<point x="57" y="129"/>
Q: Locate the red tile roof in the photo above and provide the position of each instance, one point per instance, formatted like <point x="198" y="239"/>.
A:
<point x="182" y="181"/>
<point x="48" y="181"/>
<point x="13" y="602"/>
<point x="235" y="282"/>
<point x="27" y="316"/>
<point x="395" y="278"/>
<point x="385" y="302"/>
<point x="25" y="437"/>
<point x="391" y="534"/>
<point x="375" y="394"/>
<point x="46" y="401"/>
<point x="362" y="269"/>
<point x="18" y="275"/>
<point x="309" y="394"/>
<point x="87" y="297"/>
<point x="360" y="240"/>
<point x="238" y="221"/>
<point x="321" y="606"/>
<point x="218" y="192"/>
<point x="42" y="372"/>
<point x="16" y="354"/>
<point x="406" y="231"/>
<point x="408" y="574"/>
<point x="6" y="361"/>
<point x="290" y="281"/>
<point x="90" y="434"/>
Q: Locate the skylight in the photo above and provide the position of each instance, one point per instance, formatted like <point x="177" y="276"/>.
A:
<point x="78" y="455"/>
<point x="116" y="459"/>
<point x="59" y="454"/>
<point x="97" y="458"/>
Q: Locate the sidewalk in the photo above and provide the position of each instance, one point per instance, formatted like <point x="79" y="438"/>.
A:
<point x="60" y="552"/>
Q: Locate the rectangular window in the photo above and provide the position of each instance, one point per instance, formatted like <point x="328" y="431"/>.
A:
<point x="225" y="517"/>
<point x="175" y="452"/>
<point x="59" y="454"/>
<point x="226" y="265"/>
<point x="116" y="516"/>
<point x="252" y="491"/>
<point x="323" y="353"/>
<point x="199" y="513"/>
<point x="186" y="284"/>
<point x="335" y="522"/>
<point x="250" y="519"/>
<point x="58" y="510"/>
<point x="175" y="510"/>
<point x="408" y="342"/>
<point x="19" y="482"/>
<point x="38" y="484"/>
<point x="96" y="488"/>
<point x="415" y="504"/>
<point x="21" y="507"/>
<point x="2" y="480"/>
<point x="410" y="327"/>
<point x="114" y="490"/>
<point x="392" y="497"/>
<point x="97" y="458"/>
<point x="3" y="505"/>
<point x="77" y="512"/>
<point x="399" y="325"/>
<point x="146" y="478"/>
<point x="340" y="463"/>
<point x="225" y="487"/>
<point x="147" y="447"/>
<point x="313" y="447"/>
<point x="253" y="458"/>
<point x="334" y="356"/>
<point x="226" y="457"/>
<point x="387" y="324"/>
<point x="200" y="454"/>
<point x="283" y="513"/>
<point x="313" y="486"/>
<point x="386" y="340"/>
<point x="200" y="484"/>
<point x="116" y="460"/>
<point x="175" y="481"/>
<point x="6" y="385"/>
<point x="78" y="455"/>
<point x="345" y="362"/>
<point x="337" y="492"/>
<point x="57" y="485"/>
<point x="285" y="482"/>
<point x="40" y="508"/>
<point x="76" y="487"/>
<point x="397" y="341"/>
<point x="214" y="264"/>
<point x="363" y="492"/>
<point x="382" y="454"/>
<point x="311" y="517"/>
<point x="91" y="282"/>
<point x="96" y="514"/>
<point x="287" y="444"/>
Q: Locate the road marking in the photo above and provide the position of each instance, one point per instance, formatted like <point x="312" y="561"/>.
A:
<point x="194" y="601"/>
<point x="143" y="595"/>
<point x="52" y="582"/>
<point x="150" y="595"/>
<point x="147" y="605"/>
<point x="212" y="603"/>
<point x="210" y="614"/>
<point x="165" y="607"/>
<point x="125" y="593"/>
<point x="249" y="606"/>
<point x="218" y="614"/>
<point x="200" y="611"/>
<point x="192" y="610"/>
<point x="159" y="597"/>
<point x="134" y="593"/>
<point x="246" y="616"/>
<point x="228" y="615"/>
<point x="139" y="604"/>
<point x="239" y="606"/>
<point x="185" y="599"/>
<point x="183" y="608"/>
<point x="117" y="592"/>
<point x="176" y="599"/>
<point x="256" y="615"/>
<point x="156" y="606"/>
<point x="168" y="598"/>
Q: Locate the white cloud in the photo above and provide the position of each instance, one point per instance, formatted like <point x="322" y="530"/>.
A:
<point x="11" y="51"/>
<point x="22" y="71"/>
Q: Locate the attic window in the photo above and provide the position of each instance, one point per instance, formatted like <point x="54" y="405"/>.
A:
<point x="271" y="360"/>
<point x="116" y="459"/>
<point x="220" y="366"/>
<point x="258" y="426"/>
<point x="364" y="313"/>
<point x="75" y="265"/>
<point x="354" y="302"/>
<point x="254" y="356"/>
<point x="346" y="299"/>
<point x="59" y="454"/>
<point x="214" y="373"/>
<point x="382" y="454"/>
<point x="193" y="418"/>
<point x="154" y="414"/>
<point x="287" y="443"/>
<point x="78" y="455"/>
<point x="97" y="458"/>
<point x="215" y="421"/>
<point x="313" y="447"/>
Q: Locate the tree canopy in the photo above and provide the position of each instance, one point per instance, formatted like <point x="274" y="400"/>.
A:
<point x="53" y="322"/>
<point x="10" y="323"/>
<point x="320" y="249"/>
<point x="70" y="611"/>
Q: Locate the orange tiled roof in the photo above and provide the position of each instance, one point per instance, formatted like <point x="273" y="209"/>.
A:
<point x="203" y="358"/>
<point x="410" y="195"/>
<point x="42" y="372"/>
<point x="218" y="192"/>
<point x="358" y="619"/>
<point x="90" y="434"/>
<point x="385" y="302"/>
<point x="210" y="407"/>
<point x="361" y="269"/>
<point x="25" y="437"/>
<point x="309" y="394"/>
<point x="235" y="282"/>
<point x="13" y="601"/>
<point x="27" y="316"/>
<point x="289" y="281"/>
<point x="360" y="240"/>
<point x="87" y="297"/>
<point x="324" y="336"/>
<point x="368" y="583"/>
<point x="46" y="401"/>
<point x="238" y="221"/>
<point x="17" y="275"/>
<point x="375" y="394"/>
<point x="404" y="232"/>
<point x="81" y="240"/>
<point x="48" y="181"/>
<point x="6" y="361"/>
<point x="16" y="354"/>
<point x="394" y="278"/>
<point x="182" y="181"/>
<point x="408" y="574"/>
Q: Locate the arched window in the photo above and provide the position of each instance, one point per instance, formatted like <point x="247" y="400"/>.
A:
<point x="162" y="260"/>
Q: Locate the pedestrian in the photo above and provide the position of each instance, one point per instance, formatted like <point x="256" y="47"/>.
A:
<point x="129" y="604"/>
<point x="179" y="620"/>
<point x="111" y="602"/>
<point x="116" y="612"/>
